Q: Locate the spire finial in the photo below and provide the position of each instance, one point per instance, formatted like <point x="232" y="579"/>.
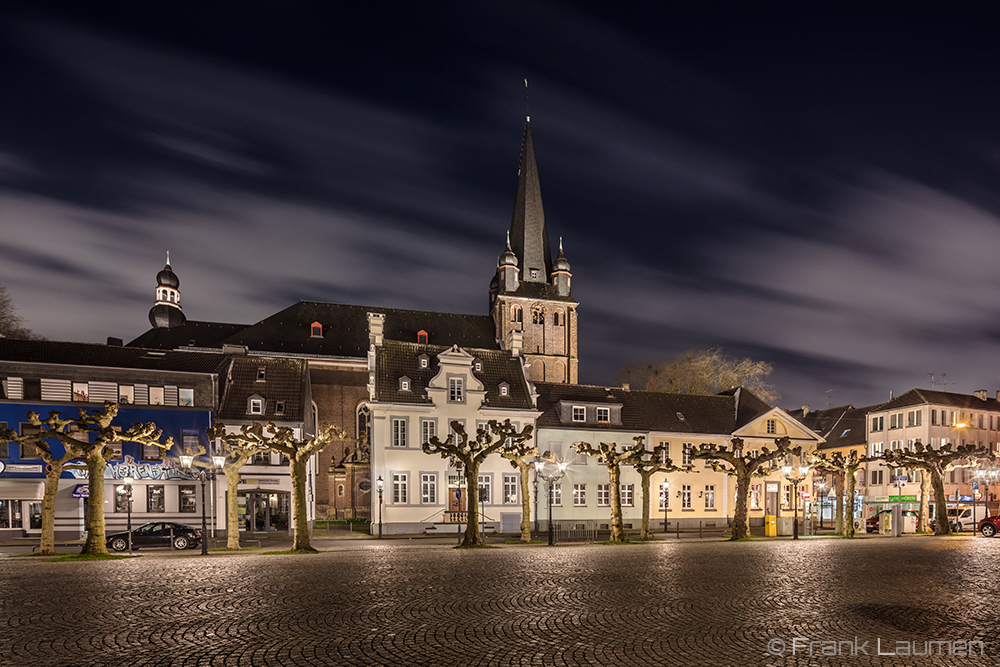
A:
<point x="168" y="258"/>
<point x="508" y="238"/>
<point x="527" y="110"/>
<point x="560" y="244"/>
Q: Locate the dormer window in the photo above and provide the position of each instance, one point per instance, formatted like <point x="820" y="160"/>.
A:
<point x="424" y="361"/>
<point x="477" y="366"/>
<point x="279" y="408"/>
<point x="255" y="405"/>
<point x="422" y="337"/>
<point x="315" y="330"/>
<point x="261" y="374"/>
<point x="680" y="416"/>
<point x="504" y="389"/>
<point x="404" y="384"/>
<point x="603" y="415"/>
<point x="579" y="413"/>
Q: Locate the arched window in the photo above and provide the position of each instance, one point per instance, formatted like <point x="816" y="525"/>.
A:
<point x="555" y="318"/>
<point x="364" y="421"/>
<point x="538" y="316"/>
<point x="515" y="314"/>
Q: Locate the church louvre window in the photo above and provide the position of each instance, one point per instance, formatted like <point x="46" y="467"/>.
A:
<point x="538" y="316"/>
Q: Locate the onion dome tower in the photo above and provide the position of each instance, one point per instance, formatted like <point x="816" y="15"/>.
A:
<point x="166" y="312"/>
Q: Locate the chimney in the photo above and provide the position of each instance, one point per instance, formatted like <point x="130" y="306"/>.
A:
<point x="981" y="394"/>
<point x="805" y="410"/>
<point x="626" y="387"/>
<point x="117" y="342"/>
<point x="890" y="394"/>
<point x="515" y="343"/>
<point x="376" y="327"/>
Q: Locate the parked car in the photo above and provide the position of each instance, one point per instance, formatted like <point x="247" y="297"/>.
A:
<point x="872" y="524"/>
<point x="158" y="534"/>
<point x="959" y="518"/>
<point x="989" y="526"/>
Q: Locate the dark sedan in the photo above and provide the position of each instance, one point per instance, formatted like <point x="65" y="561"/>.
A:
<point x="158" y="534"/>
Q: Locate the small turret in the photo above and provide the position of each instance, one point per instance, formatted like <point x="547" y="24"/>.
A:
<point x="166" y="312"/>
<point x="560" y="272"/>
<point x="509" y="272"/>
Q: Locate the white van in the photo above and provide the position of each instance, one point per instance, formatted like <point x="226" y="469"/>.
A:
<point x="960" y="518"/>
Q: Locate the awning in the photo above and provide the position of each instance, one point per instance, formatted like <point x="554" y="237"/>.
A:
<point x="21" y="489"/>
<point x="81" y="491"/>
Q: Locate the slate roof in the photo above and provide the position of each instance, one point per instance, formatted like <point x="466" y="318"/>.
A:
<point x="843" y="426"/>
<point x="541" y="291"/>
<point x="394" y="360"/>
<point x="925" y="396"/>
<point x="345" y="330"/>
<point x="110" y="356"/>
<point x="284" y="380"/>
<point x="646" y="410"/>
<point x="189" y="334"/>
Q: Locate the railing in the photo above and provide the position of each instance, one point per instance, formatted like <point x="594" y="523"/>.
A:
<point x="455" y="517"/>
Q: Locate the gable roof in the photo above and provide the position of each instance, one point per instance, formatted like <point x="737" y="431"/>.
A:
<point x="395" y="359"/>
<point x="345" y="331"/>
<point x="110" y="356"/>
<point x="843" y="426"/>
<point x="284" y="380"/>
<point x="929" y="396"/>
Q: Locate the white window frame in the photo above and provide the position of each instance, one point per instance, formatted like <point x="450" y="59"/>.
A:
<point x="772" y="426"/>
<point x="400" y="488"/>
<point x="628" y="495"/>
<point x="686" y="453"/>
<point x="485" y="484"/>
<point x="710" y="496"/>
<point x="511" y="489"/>
<point x="398" y="430"/>
<point x="580" y="495"/>
<point x="685" y="496"/>
<point x="579" y="413"/>
<point x="428" y="488"/>
<point x="428" y="430"/>
<point x="456" y="390"/>
<point x="603" y="415"/>
<point x="604" y="495"/>
<point x="555" y="494"/>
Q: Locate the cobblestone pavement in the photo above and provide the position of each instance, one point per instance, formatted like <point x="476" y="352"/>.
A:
<point x="409" y="603"/>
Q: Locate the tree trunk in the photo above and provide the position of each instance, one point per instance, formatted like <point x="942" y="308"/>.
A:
<point x="849" y="503"/>
<point x="941" y="525"/>
<point x="925" y="503"/>
<point x="644" y="476"/>
<point x="617" y="524"/>
<point x="232" y="473"/>
<point x="472" y="537"/>
<point x="297" y="468"/>
<point x="523" y="468"/>
<point x="741" y="519"/>
<point x="96" y="543"/>
<point x="52" y="474"/>
<point x="838" y="485"/>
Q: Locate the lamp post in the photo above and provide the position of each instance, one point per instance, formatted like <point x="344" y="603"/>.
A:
<point x="822" y="501"/>
<point x="665" y="495"/>
<point x="795" y="480"/>
<point x="128" y="508"/>
<point x="536" y="467"/>
<point x="379" y="484"/>
<point x="549" y="480"/>
<point x="187" y="463"/>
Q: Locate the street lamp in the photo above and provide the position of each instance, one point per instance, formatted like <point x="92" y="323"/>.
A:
<point x="187" y="463"/>
<point x="127" y="488"/>
<point x="822" y="498"/>
<point x="665" y="495"/>
<point x="795" y="480"/>
<point x="985" y="476"/>
<point x="379" y="484"/>
<point x="549" y="480"/>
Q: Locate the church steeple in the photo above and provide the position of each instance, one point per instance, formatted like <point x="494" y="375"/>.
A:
<point x="529" y="238"/>
<point x="166" y="311"/>
<point x="530" y="300"/>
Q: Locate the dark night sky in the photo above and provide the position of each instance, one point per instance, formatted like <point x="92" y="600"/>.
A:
<point x="820" y="190"/>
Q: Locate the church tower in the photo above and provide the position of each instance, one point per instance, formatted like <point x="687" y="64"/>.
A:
<point x="530" y="298"/>
<point x="166" y="311"/>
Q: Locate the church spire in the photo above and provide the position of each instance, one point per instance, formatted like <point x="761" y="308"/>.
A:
<point x="528" y="237"/>
<point x="166" y="311"/>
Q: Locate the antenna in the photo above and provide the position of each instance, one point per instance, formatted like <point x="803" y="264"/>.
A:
<point x="527" y="110"/>
<point x="829" y="399"/>
<point x="933" y="383"/>
<point x="944" y="381"/>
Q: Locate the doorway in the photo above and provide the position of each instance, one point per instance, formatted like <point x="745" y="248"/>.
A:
<point x="264" y="511"/>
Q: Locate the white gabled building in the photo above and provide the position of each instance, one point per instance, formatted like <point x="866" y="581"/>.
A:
<point x="417" y="390"/>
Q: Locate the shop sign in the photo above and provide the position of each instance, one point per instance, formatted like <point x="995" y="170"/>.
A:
<point x="22" y="467"/>
<point x="261" y="482"/>
<point x="893" y="499"/>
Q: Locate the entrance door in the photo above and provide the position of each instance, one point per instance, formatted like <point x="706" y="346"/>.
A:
<point x="456" y="499"/>
<point x="771" y="505"/>
<point x="265" y="512"/>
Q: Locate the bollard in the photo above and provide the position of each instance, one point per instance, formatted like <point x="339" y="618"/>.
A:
<point x="678" y="530"/>
<point x="699" y="530"/>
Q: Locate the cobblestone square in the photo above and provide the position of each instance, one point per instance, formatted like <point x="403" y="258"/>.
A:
<point x="412" y="603"/>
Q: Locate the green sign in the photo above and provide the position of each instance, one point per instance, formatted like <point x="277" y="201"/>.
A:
<point x="895" y="499"/>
